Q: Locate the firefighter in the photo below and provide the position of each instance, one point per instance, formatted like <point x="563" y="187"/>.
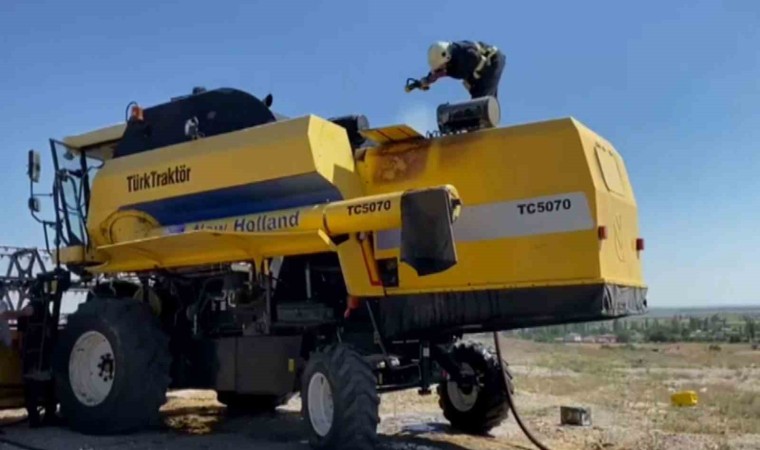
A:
<point x="476" y="63"/>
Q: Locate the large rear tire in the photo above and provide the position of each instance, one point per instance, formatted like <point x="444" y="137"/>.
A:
<point x="340" y="401"/>
<point x="476" y="409"/>
<point x="112" y="367"/>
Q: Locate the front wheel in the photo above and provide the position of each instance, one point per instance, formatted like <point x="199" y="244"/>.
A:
<point x="112" y="367"/>
<point x="340" y="400"/>
<point x="480" y="406"/>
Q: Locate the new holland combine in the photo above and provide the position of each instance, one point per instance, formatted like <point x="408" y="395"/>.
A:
<point x="227" y="247"/>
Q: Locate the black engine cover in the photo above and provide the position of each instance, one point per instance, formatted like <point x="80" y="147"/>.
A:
<point x="217" y="111"/>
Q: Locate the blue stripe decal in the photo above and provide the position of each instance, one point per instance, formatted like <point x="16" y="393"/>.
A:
<point x="254" y="198"/>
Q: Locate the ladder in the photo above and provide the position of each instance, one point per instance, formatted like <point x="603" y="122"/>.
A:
<point x="40" y="332"/>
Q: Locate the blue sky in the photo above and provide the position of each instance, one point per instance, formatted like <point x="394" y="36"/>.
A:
<point x="674" y="85"/>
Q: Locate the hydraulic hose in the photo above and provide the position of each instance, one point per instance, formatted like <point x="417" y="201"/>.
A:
<point x="511" y="401"/>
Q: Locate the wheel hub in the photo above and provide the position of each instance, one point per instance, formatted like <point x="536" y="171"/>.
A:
<point x="320" y="404"/>
<point x="91" y="368"/>
<point x="464" y="396"/>
<point x="106" y="367"/>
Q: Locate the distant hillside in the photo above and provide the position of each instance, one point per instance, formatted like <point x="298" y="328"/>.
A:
<point x="703" y="311"/>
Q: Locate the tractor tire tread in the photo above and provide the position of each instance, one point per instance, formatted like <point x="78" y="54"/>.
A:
<point x="492" y="405"/>
<point x="356" y="398"/>
<point x="142" y="375"/>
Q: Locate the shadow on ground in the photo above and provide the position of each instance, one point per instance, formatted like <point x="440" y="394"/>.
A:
<point x="436" y="435"/>
<point x="288" y="427"/>
<point x="191" y="427"/>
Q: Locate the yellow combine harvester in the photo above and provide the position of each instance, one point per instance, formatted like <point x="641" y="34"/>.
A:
<point x="233" y="249"/>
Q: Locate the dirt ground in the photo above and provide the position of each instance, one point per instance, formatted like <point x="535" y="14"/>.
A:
<point x="627" y="389"/>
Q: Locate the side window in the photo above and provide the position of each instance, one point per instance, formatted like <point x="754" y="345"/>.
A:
<point x="73" y="182"/>
<point x="608" y="164"/>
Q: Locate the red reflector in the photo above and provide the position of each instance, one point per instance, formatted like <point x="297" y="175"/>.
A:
<point x="602" y="232"/>
<point x="639" y="244"/>
<point x="351" y="304"/>
<point x="137" y="113"/>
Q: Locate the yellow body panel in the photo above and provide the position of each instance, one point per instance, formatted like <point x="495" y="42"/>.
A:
<point x="74" y="253"/>
<point x="393" y="133"/>
<point x="533" y="199"/>
<point x="98" y="144"/>
<point x="505" y="177"/>
<point x="298" y="147"/>
<point x="97" y="137"/>
<point x="200" y="247"/>
<point x="359" y="269"/>
<point x="253" y="237"/>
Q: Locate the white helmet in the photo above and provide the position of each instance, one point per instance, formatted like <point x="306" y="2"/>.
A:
<point x="439" y="54"/>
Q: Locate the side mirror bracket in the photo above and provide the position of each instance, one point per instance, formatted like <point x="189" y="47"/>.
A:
<point x="34" y="166"/>
<point x="34" y="204"/>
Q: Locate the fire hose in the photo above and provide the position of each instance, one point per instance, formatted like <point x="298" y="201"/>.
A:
<point x="511" y="401"/>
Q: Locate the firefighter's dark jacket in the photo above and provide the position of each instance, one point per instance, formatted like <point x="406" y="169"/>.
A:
<point x="465" y="58"/>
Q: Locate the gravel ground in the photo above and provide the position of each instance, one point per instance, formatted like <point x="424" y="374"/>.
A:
<point x="194" y="421"/>
<point x="630" y="409"/>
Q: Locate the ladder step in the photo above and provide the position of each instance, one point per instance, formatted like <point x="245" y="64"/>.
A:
<point x="39" y="375"/>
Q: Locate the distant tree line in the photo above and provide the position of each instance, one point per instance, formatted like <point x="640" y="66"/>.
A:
<point x="714" y="328"/>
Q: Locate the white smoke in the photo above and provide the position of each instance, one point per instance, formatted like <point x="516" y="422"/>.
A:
<point x="420" y="117"/>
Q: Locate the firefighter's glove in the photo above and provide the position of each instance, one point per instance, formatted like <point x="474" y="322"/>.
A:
<point x="412" y="84"/>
